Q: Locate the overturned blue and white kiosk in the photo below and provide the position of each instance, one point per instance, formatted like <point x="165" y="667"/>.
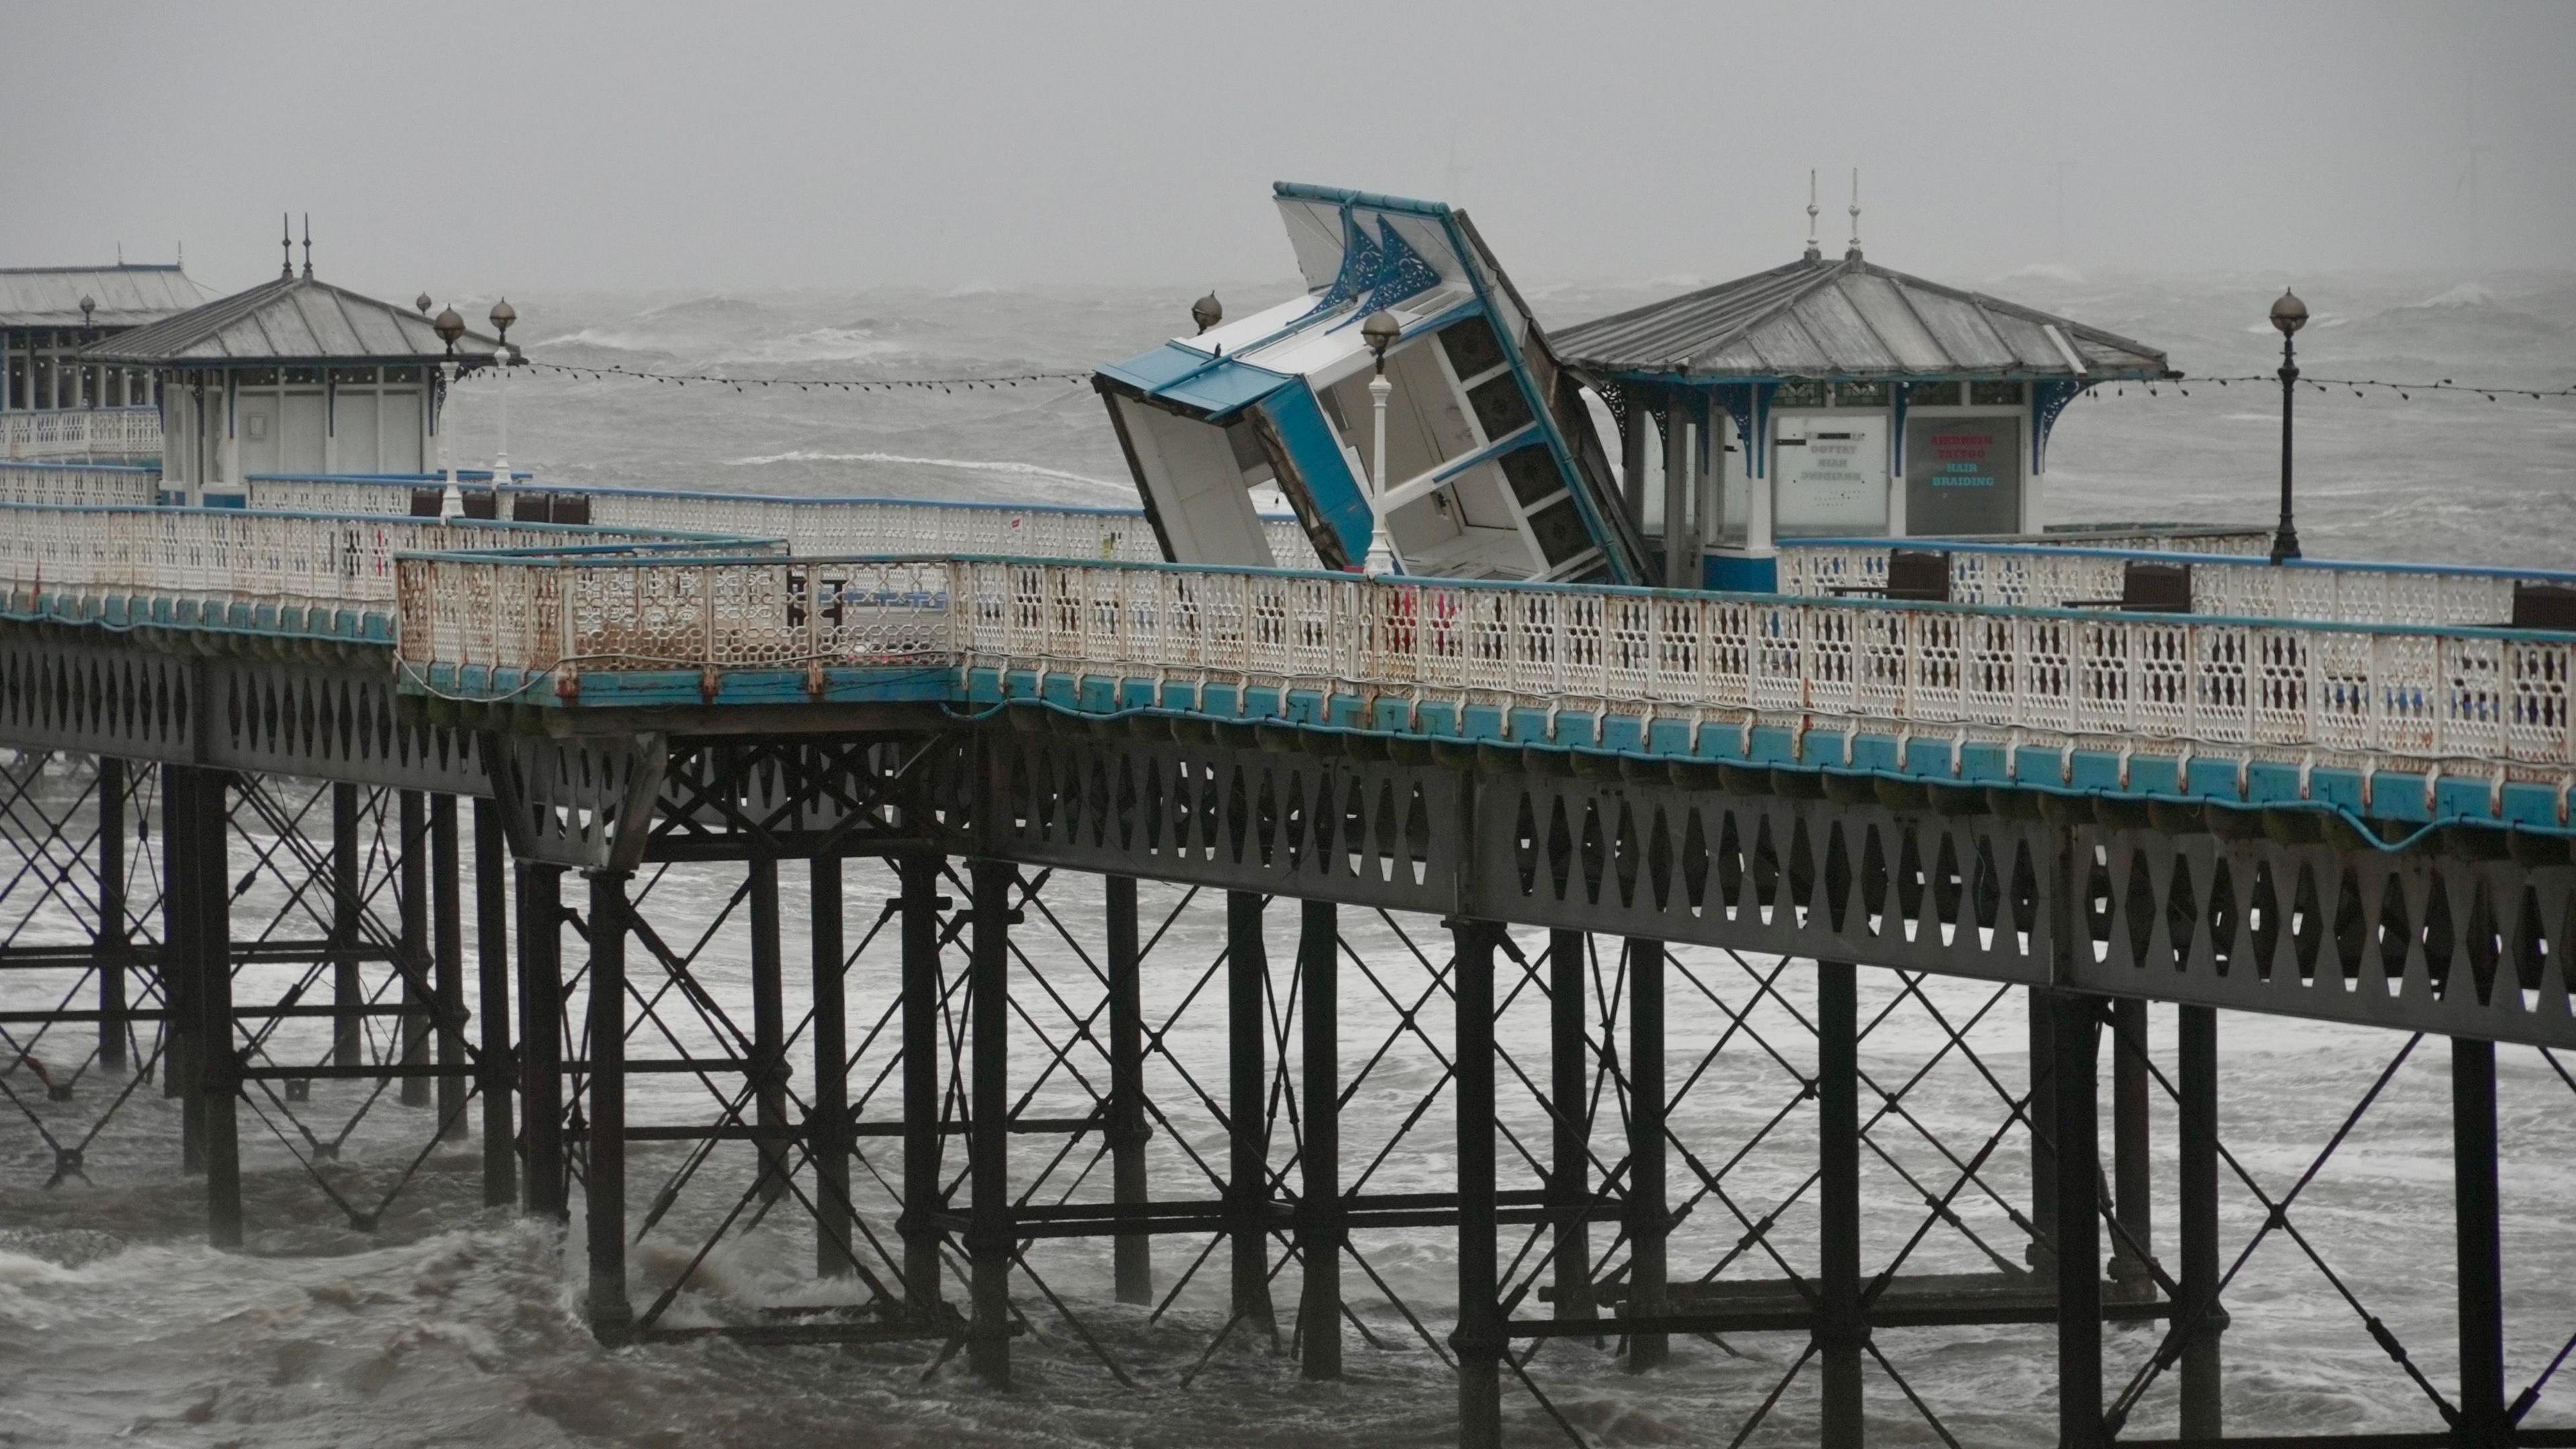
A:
<point x="1493" y="467"/>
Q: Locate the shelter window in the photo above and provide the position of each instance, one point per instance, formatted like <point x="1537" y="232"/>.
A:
<point x="303" y="377"/>
<point x="1500" y="406"/>
<point x="402" y="374"/>
<point x="1860" y="394"/>
<point x="256" y="377"/>
<point x="1932" y="394"/>
<point x="1995" y="394"/>
<point x="1799" y="392"/>
<point x="1472" y="346"/>
<point x="1532" y="472"/>
<point x="348" y="375"/>
<point x="1559" y="531"/>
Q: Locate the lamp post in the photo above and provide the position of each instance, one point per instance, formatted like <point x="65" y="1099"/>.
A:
<point x="449" y="326"/>
<point x="503" y="314"/>
<point x="2289" y="314"/>
<point x="1381" y="330"/>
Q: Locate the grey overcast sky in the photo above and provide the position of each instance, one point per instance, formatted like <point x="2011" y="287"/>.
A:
<point x="475" y="147"/>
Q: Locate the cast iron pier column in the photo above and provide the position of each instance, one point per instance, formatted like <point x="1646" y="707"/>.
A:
<point x="828" y="1133"/>
<point x="988" y="1232"/>
<point x="492" y="1001"/>
<point x="1132" y="1265"/>
<point x="2483" y="1421"/>
<point x="541" y="1024"/>
<point x="2079" y="1223"/>
<point x="2196" y="1195"/>
<point x="1840" y="1332"/>
<point x="1320" y="1228"/>
<point x="1247" y="975"/>
<point x="447" y="950"/>
<point x="922" y="1196"/>
<point x="612" y="1316"/>
<point x="1569" y="1178"/>
<point x="1479" y="1339"/>
<point x="1648" y="1277"/>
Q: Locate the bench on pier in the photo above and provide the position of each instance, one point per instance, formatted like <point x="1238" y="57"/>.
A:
<point x="1914" y="575"/>
<point x="2147" y="588"/>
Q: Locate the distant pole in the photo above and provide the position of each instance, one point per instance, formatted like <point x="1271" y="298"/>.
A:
<point x="2289" y="314"/>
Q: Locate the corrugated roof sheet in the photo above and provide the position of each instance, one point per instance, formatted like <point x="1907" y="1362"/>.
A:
<point x="128" y="295"/>
<point x="292" y="319"/>
<point x="1846" y="318"/>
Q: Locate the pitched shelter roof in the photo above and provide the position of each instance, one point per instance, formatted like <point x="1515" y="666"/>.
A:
<point x="127" y="294"/>
<point x="1848" y="318"/>
<point x="291" y="319"/>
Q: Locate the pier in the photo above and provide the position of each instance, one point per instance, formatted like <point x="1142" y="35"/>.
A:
<point x="986" y="785"/>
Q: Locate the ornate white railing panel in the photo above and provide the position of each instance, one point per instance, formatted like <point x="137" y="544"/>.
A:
<point x="234" y="556"/>
<point x="2369" y="696"/>
<point x="82" y="433"/>
<point x="2317" y="590"/>
<point x="88" y="485"/>
<point x="818" y="525"/>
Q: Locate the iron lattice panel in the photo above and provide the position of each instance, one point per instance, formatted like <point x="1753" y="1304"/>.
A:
<point x="1291" y="824"/>
<point x="102" y="701"/>
<point x="1963" y="896"/>
<point x="337" y="724"/>
<point x="261" y="716"/>
<point x="2421" y="942"/>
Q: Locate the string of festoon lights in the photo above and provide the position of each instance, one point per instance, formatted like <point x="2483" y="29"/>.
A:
<point x="994" y="382"/>
<point x="2405" y="390"/>
<point x="2358" y="387"/>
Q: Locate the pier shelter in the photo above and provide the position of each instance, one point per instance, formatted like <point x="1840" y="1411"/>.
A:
<point x="1834" y="399"/>
<point x="293" y="376"/>
<point x="47" y="315"/>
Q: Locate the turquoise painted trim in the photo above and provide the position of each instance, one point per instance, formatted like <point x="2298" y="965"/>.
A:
<point x="1322" y="469"/>
<point x="30" y="466"/>
<point x="1339" y="196"/>
<point x="1736" y="574"/>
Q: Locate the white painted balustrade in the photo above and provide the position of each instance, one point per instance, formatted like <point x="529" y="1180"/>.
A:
<point x="84" y="485"/>
<point x="2316" y="590"/>
<point x="2296" y="692"/>
<point x="231" y="555"/>
<point x="82" y="433"/>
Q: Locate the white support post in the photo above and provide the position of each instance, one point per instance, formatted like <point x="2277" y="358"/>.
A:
<point x="451" y="503"/>
<point x="1759" y="491"/>
<point x="1381" y="550"/>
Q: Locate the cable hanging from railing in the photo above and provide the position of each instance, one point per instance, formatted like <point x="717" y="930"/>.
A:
<point x="992" y="383"/>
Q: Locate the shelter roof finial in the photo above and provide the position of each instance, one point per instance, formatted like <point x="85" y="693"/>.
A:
<point x="308" y="245"/>
<point x="1854" y="253"/>
<point x="286" y="244"/>
<point x="1814" y="253"/>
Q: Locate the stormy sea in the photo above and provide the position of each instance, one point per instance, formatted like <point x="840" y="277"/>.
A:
<point x="378" y="1303"/>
